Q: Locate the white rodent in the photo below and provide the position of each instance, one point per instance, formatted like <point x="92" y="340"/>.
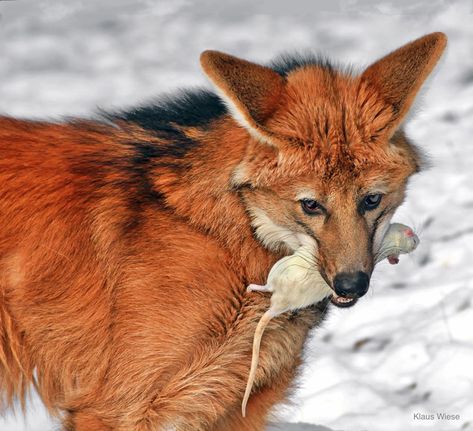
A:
<point x="296" y="283"/>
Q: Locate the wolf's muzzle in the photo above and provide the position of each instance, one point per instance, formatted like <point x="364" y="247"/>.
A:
<point x="351" y="284"/>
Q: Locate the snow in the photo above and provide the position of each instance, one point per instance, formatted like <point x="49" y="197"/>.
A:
<point x="407" y="347"/>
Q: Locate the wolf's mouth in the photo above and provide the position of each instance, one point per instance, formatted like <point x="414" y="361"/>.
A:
<point x="342" y="302"/>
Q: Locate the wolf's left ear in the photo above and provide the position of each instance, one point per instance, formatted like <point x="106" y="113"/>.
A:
<point x="251" y="92"/>
<point x="399" y="75"/>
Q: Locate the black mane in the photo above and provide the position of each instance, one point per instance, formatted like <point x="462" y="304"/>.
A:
<point x="193" y="107"/>
<point x="286" y="63"/>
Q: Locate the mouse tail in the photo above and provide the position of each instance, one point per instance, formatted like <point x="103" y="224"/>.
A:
<point x="255" y="357"/>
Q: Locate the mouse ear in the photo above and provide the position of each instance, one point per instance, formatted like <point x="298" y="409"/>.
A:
<point x="398" y="76"/>
<point x="251" y="91"/>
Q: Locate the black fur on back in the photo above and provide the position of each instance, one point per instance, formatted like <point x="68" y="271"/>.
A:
<point x="164" y="119"/>
<point x="193" y="107"/>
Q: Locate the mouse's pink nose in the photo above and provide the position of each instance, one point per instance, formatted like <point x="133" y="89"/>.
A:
<point x="409" y="233"/>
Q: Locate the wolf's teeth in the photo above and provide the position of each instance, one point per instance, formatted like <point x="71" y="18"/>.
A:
<point x="342" y="299"/>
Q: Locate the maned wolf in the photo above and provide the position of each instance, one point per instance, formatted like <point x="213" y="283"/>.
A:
<point x="127" y="243"/>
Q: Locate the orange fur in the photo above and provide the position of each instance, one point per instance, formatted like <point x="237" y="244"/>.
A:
<point x="124" y="265"/>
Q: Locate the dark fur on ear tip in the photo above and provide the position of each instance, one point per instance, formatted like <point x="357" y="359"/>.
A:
<point x="206" y="58"/>
<point x="440" y="37"/>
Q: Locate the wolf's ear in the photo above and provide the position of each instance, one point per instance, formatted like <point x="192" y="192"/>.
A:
<point x="250" y="91"/>
<point x="399" y="75"/>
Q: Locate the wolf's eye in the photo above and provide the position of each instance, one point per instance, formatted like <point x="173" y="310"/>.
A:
<point x="311" y="207"/>
<point x="370" y="202"/>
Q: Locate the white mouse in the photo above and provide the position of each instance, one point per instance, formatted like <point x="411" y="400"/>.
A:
<point x="295" y="283"/>
<point x="399" y="239"/>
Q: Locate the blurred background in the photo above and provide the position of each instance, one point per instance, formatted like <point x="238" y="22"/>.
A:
<point x="407" y="347"/>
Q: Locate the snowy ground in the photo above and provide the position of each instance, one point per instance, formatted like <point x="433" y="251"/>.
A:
<point x="408" y="346"/>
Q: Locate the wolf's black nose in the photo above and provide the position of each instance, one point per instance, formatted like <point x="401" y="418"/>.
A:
<point x="351" y="284"/>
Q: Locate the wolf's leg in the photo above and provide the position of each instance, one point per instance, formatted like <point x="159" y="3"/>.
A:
<point x="206" y="394"/>
<point x="258" y="407"/>
<point x="203" y="391"/>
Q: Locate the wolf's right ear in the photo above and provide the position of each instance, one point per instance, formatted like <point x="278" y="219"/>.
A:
<point x="398" y="76"/>
<point x="251" y="92"/>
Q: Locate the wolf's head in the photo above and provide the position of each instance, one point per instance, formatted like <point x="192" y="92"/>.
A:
<point x="328" y="162"/>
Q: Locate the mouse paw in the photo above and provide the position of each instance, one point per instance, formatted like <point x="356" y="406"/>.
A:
<point x="393" y="259"/>
<point x="259" y="288"/>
